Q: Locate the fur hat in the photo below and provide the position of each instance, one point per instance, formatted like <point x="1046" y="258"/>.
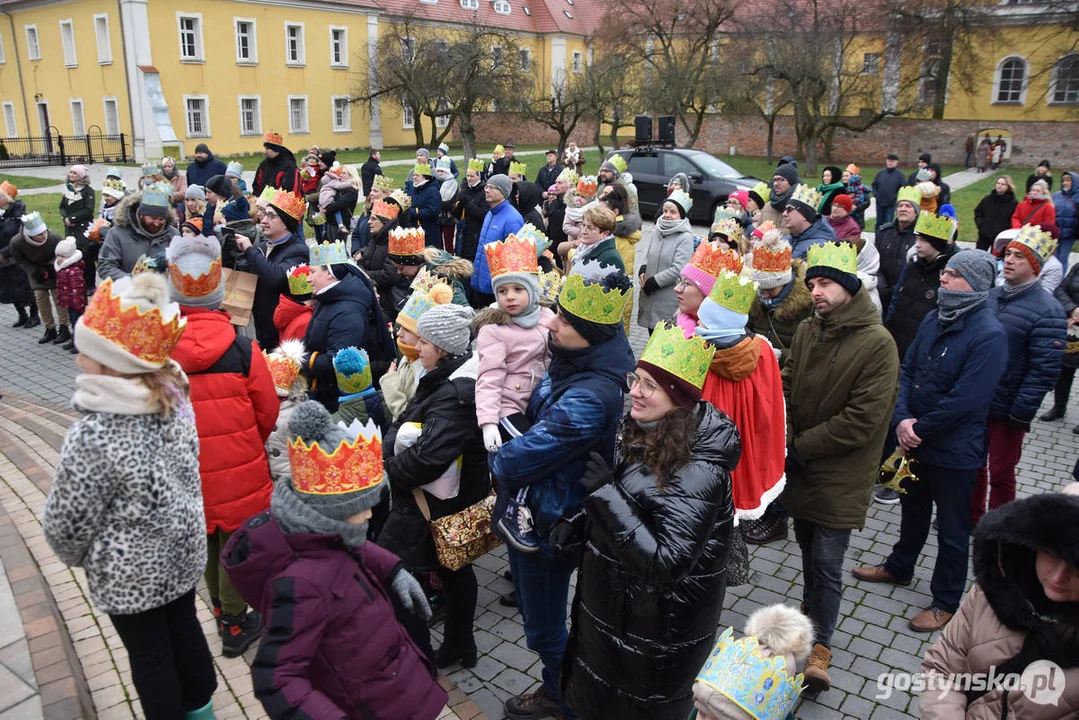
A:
<point x="195" y="275"/>
<point x="447" y="327"/>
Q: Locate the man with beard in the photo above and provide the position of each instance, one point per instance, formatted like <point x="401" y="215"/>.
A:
<point x="204" y="166"/>
<point x="784" y="181"/>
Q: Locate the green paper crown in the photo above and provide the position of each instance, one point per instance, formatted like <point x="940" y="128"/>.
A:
<point x="329" y="254"/>
<point x="936" y="226"/>
<point x="592" y="301"/>
<point x="806" y="195"/>
<point x="842" y="256"/>
<point x="618" y="161"/>
<point x="268" y="194"/>
<point x="518" y="168"/>
<point x="476" y="165"/>
<point x="299" y="280"/>
<point x="909" y="193"/>
<point x="762" y="190"/>
<point x="758" y="685"/>
<point x="353" y="370"/>
<point x="384" y="183"/>
<point x="1040" y="242"/>
<point x="687" y="360"/>
<point x="422" y="169"/>
<point x="733" y="292"/>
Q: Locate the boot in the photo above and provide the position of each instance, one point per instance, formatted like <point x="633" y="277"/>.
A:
<point x="63" y="336"/>
<point x="48" y="337"/>
<point x="206" y="712"/>
<point x="24" y="317"/>
<point x="538" y="703"/>
<point x="816" y="672"/>
<point x="1055" y="413"/>
<point x="34" y="320"/>
<point x="446" y="656"/>
<point x="767" y="529"/>
<point x="241" y="632"/>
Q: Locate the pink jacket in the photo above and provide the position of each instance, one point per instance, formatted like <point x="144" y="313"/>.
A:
<point x="513" y="360"/>
<point x="846" y="228"/>
<point x="330" y="186"/>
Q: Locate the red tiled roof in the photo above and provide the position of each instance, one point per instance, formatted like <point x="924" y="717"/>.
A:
<point x="530" y="16"/>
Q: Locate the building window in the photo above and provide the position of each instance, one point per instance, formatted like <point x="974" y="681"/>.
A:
<point x="190" y="28"/>
<point x="297" y="114"/>
<point x="78" y="119"/>
<point x="9" y="120"/>
<point x="112" y="116"/>
<point x="2" y="58"/>
<point x="470" y="4"/>
<point x="197" y="113"/>
<point x="577" y="61"/>
<point x="408" y="49"/>
<point x="33" y="48"/>
<point x="871" y="64"/>
<point x="526" y="59"/>
<point x="339" y="47"/>
<point x="497" y="56"/>
<point x="408" y="120"/>
<point x="1011" y="81"/>
<point x="1064" y="84"/>
<point x="250" y="115"/>
<point x="294" y="50"/>
<point x="246" y="41"/>
<point x="342" y="113"/>
<point x="442" y="121"/>
<point x="502" y="7"/>
<point x="67" y="40"/>
<point x="104" y="45"/>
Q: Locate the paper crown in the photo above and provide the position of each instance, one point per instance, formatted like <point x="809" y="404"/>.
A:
<point x="499" y="149"/>
<point x="940" y="227"/>
<point x="353" y="370"/>
<point x="197" y="286"/>
<point x="110" y="183"/>
<point x="273" y="138"/>
<point x="422" y="169"/>
<point x="550" y="284"/>
<point x="406" y="242"/>
<point x="762" y="191"/>
<point x="425" y="280"/>
<point x="289" y="204"/>
<point x="93" y="231"/>
<point x="592" y="301"/>
<point x="777" y="260"/>
<point x="760" y="230"/>
<point x="268" y="194"/>
<point x="352" y="466"/>
<point x="384" y="183"/>
<point x="680" y="197"/>
<point x="327" y="253"/>
<point x="149" y="169"/>
<point x="758" y="685"/>
<point x="587" y="186"/>
<point x="1040" y="242"/>
<point x="299" y="280"/>
<point x="723" y="213"/>
<point x="518" y="168"/>
<point x="713" y="258"/>
<point x="537" y="236"/>
<point x="420" y="302"/>
<point x="155" y="196"/>
<point x="284" y="363"/>
<point x="402" y="199"/>
<point x="909" y="193"/>
<point x="687" y="360"/>
<point x="618" y="161"/>
<point x="383" y="209"/>
<point x="806" y="195"/>
<point x="842" y="256"/>
<point x="733" y="292"/>
<point x="146" y="335"/>
<point x="728" y="227"/>
<point x="475" y="165"/>
<point x="570" y="176"/>
<point x="114" y="172"/>
<point x="512" y="255"/>
<point x="8" y="189"/>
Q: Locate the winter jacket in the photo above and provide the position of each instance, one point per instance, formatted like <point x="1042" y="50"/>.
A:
<point x="125" y="504"/>
<point x="375" y="261"/>
<point x="868" y="268"/>
<point x="333" y="647"/>
<point x="236" y="407"/>
<point x="14" y="285"/>
<point x="555" y="210"/>
<point x="1067" y="294"/>
<point x="36" y="260"/>
<point x="818" y="233"/>
<point x="828" y="192"/>
<point x="605" y="252"/>
<point x="198" y="173"/>
<point x="338" y="196"/>
<point x="447" y="194"/>
<point x="128" y="240"/>
<point x="1036" y="329"/>
<point x="1034" y="212"/>
<point x="472" y="208"/>
<point x="71" y="284"/>
<point x="237" y="209"/>
<point x="574" y="411"/>
<point x="893" y="242"/>
<point x="500" y="221"/>
<point x="1066" y="207"/>
<point x="914" y="298"/>
<point x="291" y="318"/>
<point x="840" y="383"/>
<point x="398" y="386"/>
<point x="652" y="581"/>
<point x="845" y="228"/>
<point x="279" y="172"/>
<point x="993" y="216"/>
<point x="1007" y="610"/>
<point x="512" y="361"/>
<point x="942" y="384"/>
<point x="179" y="188"/>
<point x="277" y="442"/>
<point x="886" y="186"/>
<point x="666" y="257"/>
<point x="547" y="175"/>
<point x="270" y="262"/>
<point x="1035" y="177"/>
<point x="779" y="325"/>
<point x="859" y="193"/>
<point x="367" y="174"/>
<point x="445" y="407"/>
<point x="426" y="207"/>
<point x="527" y="197"/>
<point x="77" y="206"/>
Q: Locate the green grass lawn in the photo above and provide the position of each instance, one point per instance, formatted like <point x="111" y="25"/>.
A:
<point x="27" y="182"/>
<point x="48" y="204"/>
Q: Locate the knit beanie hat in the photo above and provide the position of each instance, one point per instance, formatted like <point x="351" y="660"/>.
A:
<point x="235" y="170"/>
<point x="425" y="152"/>
<point x="789" y="171"/>
<point x="32" y="224"/>
<point x="352" y="368"/>
<point x="844" y="201"/>
<point x="195" y="271"/>
<point x="327" y="157"/>
<point x="805" y="201"/>
<point x="447" y="327"/>
<point x="220" y="185"/>
<point x="193" y="224"/>
<point x="195" y="192"/>
<point x="502" y="183"/>
<point x="772" y="261"/>
<point x="977" y="267"/>
<point x="65" y="248"/>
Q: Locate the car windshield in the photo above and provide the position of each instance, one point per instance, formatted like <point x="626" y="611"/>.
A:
<point x="714" y="167"/>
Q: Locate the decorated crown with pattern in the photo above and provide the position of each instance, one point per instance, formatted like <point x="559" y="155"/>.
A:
<point x="154" y="196"/>
<point x="758" y="685"/>
<point x="909" y="193"/>
<point x="290" y="204"/>
<point x="806" y="195"/>
<point x="499" y="150"/>
<point x="940" y="227"/>
<point x="618" y="161"/>
<point x="273" y="138"/>
<point x="686" y="359"/>
<point x="149" y="169"/>
<point x="146" y="335"/>
<point x="422" y="169"/>
<point x="550" y="285"/>
<point x="1040" y="242"/>
<point x="537" y="236"/>
<point x="351" y="466"/>
<point x="420" y="302"/>
<point x="512" y="255"/>
<point x="268" y="194"/>
<point x="284" y="363"/>
<point x="327" y="253"/>
<point x="587" y="186"/>
<point x="728" y="227"/>
<point x="679" y="197"/>
<point x="194" y="286"/>
<point x="384" y="183"/>
<point x="723" y="213"/>
<point x="406" y="242"/>
<point x="592" y="301"/>
<point x="842" y="256"/>
<point x="402" y="199"/>
<point x="475" y="165"/>
<point x="110" y="183"/>
<point x="772" y="259"/>
<point x="425" y="280"/>
<point x="518" y="168"/>
<point x="384" y="209"/>
<point x="713" y="258"/>
<point x="352" y="368"/>
<point x="733" y="292"/>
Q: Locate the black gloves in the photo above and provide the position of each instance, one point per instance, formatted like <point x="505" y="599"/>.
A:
<point x="596" y="473"/>
<point x="562" y="535"/>
<point x="1017" y="425"/>
<point x="650" y="286"/>
<point x="795" y="464"/>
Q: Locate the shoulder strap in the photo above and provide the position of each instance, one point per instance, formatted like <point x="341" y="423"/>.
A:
<point x="421" y="502"/>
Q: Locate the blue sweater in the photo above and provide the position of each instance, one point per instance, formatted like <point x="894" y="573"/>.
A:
<point x="501" y="221"/>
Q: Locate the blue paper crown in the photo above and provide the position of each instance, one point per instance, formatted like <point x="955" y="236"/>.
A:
<point x="758" y="685"/>
<point x="154" y="196"/>
<point x="530" y="231"/>
<point x="329" y="254"/>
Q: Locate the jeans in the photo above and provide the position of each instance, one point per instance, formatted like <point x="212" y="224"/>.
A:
<point x="217" y="580"/>
<point x="1063" y="253"/>
<point x="951" y="490"/>
<point x="885" y="214"/>
<point x="998" y="475"/>
<point x="542" y="587"/>
<point x="170" y="660"/>
<point x="822" y="574"/>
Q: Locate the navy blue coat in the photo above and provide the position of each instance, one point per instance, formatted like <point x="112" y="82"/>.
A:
<point x="1067" y="213"/>
<point x="886" y="186"/>
<point x="199" y="173"/>
<point x="943" y="385"/>
<point x="818" y="233"/>
<point x="425" y="211"/>
<point x="1036" y="328"/>
<point x="272" y="282"/>
<point x="339" y="321"/>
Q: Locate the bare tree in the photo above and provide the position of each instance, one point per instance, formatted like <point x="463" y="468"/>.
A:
<point x="611" y="89"/>
<point x="563" y="107"/>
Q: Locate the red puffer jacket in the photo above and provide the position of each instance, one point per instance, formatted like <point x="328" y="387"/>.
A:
<point x="236" y="407"/>
<point x="291" y="318"/>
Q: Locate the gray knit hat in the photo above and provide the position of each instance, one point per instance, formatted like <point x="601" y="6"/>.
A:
<point x="502" y="183"/>
<point x="447" y="327"/>
<point x="195" y="192"/>
<point x="529" y="281"/>
<point x="977" y="267"/>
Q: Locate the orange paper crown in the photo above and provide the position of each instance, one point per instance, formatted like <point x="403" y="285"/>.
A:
<point x="766" y="259"/>
<point x="715" y="258"/>
<point x="406" y="242"/>
<point x="8" y="189"/>
<point x="196" y="287"/>
<point x="512" y="255"/>
<point x="283" y="370"/>
<point x="587" y="186"/>
<point x="290" y="204"/>
<point x="351" y="466"/>
<point x="383" y="209"/>
<point x="274" y="138"/>
<point x="145" y="335"/>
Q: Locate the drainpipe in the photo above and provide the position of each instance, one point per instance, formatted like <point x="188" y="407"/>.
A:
<point x="127" y="76"/>
<point x="18" y="69"/>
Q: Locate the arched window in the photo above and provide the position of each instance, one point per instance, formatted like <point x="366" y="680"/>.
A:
<point x="1011" y="81"/>
<point x="1064" y="86"/>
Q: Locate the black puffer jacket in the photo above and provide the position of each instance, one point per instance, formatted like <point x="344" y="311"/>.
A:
<point x="915" y="298"/>
<point x="445" y="407"/>
<point x="14" y="285"/>
<point x="1067" y="293"/>
<point x="472" y="207"/>
<point x="527" y="197"/>
<point x="375" y="261"/>
<point x="993" y="216"/>
<point x="271" y="263"/>
<point x="651" y="584"/>
<point x="892" y="243"/>
<point x="343" y="317"/>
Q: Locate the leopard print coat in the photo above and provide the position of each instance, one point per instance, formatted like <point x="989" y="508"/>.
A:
<point x="126" y="505"/>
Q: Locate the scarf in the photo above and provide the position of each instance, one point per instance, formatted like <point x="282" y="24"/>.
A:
<point x="419" y="184"/>
<point x="779" y="200"/>
<point x="584" y="250"/>
<point x="298" y="518"/>
<point x="111" y="394"/>
<point x="646" y="424"/>
<point x="1013" y="291"/>
<point x="169" y="175"/>
<point x="773" y="302"/>
<point x="61" y="263"/>
<point x="530" y="317"/>
<point x="720" y="324"/>
<point x="669" y="227"/>
<point x="409" y="351"/>
<point x="952" y="304"/>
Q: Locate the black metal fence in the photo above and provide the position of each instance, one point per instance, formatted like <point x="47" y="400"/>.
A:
<point x="56" y="149"/>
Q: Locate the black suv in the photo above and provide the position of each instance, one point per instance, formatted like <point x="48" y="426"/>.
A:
<point x="712" y="179"/>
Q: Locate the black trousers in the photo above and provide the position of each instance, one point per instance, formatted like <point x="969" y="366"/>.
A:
<point x="170" y="661"/>
<point x="1063" y="387"/>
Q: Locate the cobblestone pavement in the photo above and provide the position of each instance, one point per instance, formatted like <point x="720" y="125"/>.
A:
<point x="872" y="636"/>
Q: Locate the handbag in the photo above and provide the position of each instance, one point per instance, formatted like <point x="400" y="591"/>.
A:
<point x="462" y="536"/>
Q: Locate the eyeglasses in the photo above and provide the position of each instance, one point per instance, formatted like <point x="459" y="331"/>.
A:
<point x="685" y="282"/>
<point x="270" y="214"/>
<point x="648" y="389"/>
<point x="950" y="273"/>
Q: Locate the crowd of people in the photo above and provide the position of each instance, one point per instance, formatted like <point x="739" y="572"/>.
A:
<point x="445" y="366"/>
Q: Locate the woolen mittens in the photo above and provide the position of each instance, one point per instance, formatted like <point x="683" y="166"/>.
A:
<point x="410" y="594"/>
<point x="596" y="473"/>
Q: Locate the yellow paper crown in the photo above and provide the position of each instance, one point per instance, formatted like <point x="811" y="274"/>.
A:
<point x="289" y="204"/>
<point x="713" y="258"/>
<point x="806" y="195"/>
<point x="384" y="209"/>
<point x="475" y="165"/>
<point x="499" y="150"/>
<point x="668" y="349"/>
<point x="618" y="161"/>
<point x="400" y="197"/>
<point x="425" y="280"/>
<point x="940" y="227"/>
<point x="1040" y="242"/>
<point x="384" y="183"/>
<point x="518" y="168"/>
<point x="406" y="242"/>
<point x="146" y="335"/>
<point x="550" y="284"/>
<point x="728" y="227"/>
<point x="909" y="193"/>
<point x="299" y="280"/>
<point x="762" y="191"/>
<point x="352" y="368"/>
<point x="842" y="256"/>
<point x="327" y="253"/>
<point x="512" y="255"/>
<point x="592" y="301"/>
<point x="733" y="292"/>
<point x="758" y="685"/>
<point x="352" y="466"/>
<point x="422" y="169"/>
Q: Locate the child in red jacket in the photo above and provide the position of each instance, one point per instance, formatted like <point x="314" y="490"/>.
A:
<point x="70" y="283"/>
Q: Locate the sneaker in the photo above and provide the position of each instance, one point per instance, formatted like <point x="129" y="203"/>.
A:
<point x="816" y="670"/>
<point x="539" y="703"/>
<point x="766" y="530"/>
<point x="516" y="528"/>
<point x="241" y="632"/>
<point x="886" y="496"/>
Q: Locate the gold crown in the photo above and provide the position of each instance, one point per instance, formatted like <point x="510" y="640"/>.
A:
<point x="475" y="165"/>
<point x="352" y="369"/>
<point x="273" y="138"/>
<point x="842" y="256"/>
<point x="512" y="255"/>
<point x="299" y="280"/>
<point x="713" y="258"/>
<point x="766" y="259"/>
<point x="807" y="196"/>
<point x="284" y="363"/>
<point x="146" y="335"/>
<point x="422" y="169"/>
<point x="383" y="209"/>
<point x="587" y="186"/>
<point x="384" y="183"/>
<point x="687" y="360"/>
<point x="406" y="242"/>
<point x="425" y="280"/>
<point x="618" y="161"/>
<point x="420" y="302"/>
<point x="289" y="204"/>
<point x="1040" y="242"/>
<point x="400" y="197"/>
<point x="350" y="467"/>
<point x="728" y="227"/>
<point x="733" y="292"/>
<point x="197" y="286"/>
<point x="518" y="168"/>
<point x="940" y="227"/>
<point x="550" y="284"/>
<point x="909" y="193"/>
<point x="592" y="301"/>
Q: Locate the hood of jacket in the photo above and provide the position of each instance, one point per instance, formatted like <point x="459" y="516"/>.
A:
<point x="528" y="196"/>
<point x="627" y="225"/>
<point x="738" y="361"/>
<point x="456" y="268"/>
<point x="799" y="299"/>
<point x="612" y="359"/>
<point x="858" y="313"/>
<point x="288" y="310"/>
<point x="125" y="216"/>
<point x="717" y="437"/>
<point x="1074" y="192"/>
<point x="207" y="336"/>
<point x="348" y="289"/>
